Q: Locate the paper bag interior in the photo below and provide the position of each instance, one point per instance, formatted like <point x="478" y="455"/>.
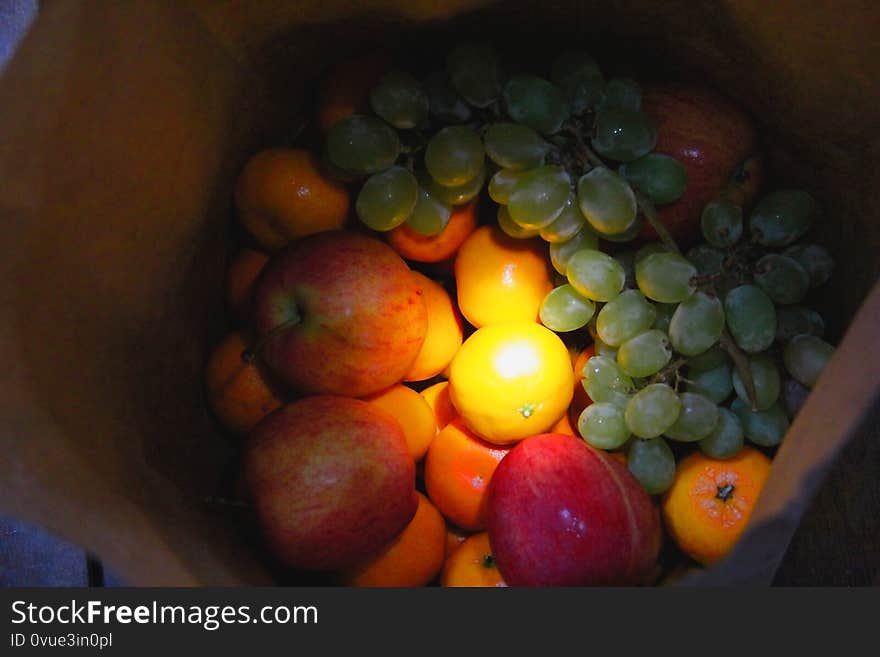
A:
<point x="124" y="126"/>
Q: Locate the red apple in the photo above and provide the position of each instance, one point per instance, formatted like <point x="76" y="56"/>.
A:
<point x="339" y="313"/>
<point x="331" y="480"/>
<point x="561" y="513"/>
<point x="710" y="135"/>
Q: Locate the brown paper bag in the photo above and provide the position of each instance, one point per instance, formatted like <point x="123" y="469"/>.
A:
<point x="123" y="127"/>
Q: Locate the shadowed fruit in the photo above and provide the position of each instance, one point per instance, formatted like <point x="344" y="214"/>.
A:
<point x="472" y="565"/>
<point x="561" y="513"/>
<point x="282" y="194"/>
<point x="345" y="89"/>
<point x="331" y="481"/>
<point x="709" y="503"/>
<point x="239" y="390"/>
<point x="412" y="412"/>
<point x="709" y="135"/>
<point x="241" y="278"/>
<point x="413" y="559"/>
<point x="339" y="313"/>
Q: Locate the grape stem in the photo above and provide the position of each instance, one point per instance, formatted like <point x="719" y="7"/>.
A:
<point x="653" y="218"/>
<point x="741" y="363"/>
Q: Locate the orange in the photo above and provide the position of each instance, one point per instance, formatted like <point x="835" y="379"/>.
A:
<point x="241" y="278"/>
<point x="710" y="501"/>
<point x="501" y="278"/>
<point x="472" y="564"/>
<point x="413" y="559"/>
<point x="581" y="399"/>
<point x="435" y="248"/>
<point x="444" y="335"/>
<point x="414" y="414"/>
<point x="564" y="426"/>
<point x="458" y="468"/>
<point x="455" y="536"/>
<point x="281" y="194"/>
<point x="511" y="381"/>
<point x="239" y="392"/>
<point x="345" y="89"/>
<point x="438" y="399"/>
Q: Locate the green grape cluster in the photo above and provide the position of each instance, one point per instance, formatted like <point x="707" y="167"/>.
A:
<point x="713" y="348"/>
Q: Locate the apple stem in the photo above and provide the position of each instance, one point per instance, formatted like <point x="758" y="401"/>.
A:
<point x="741" y="363"/>
<point x="249" y="354"/>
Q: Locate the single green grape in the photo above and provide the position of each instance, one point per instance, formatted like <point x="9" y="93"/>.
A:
<point x="475" y="72"/>
<point x="460" y="194"/>
<point x="782" y="278"/>
<point x="665" y="277"/>
<point x="652" y="463"/>
<point x="696" y="324"/>
<point x="645" y="354"/>
<point x="444" y="102"/>
<point x="751" y="318"/>
<point x="794" y="320"/>
<point x="623" y="135"/>
<point x="715" y="384"/>
<point x="563" y="309"/>
<point x="511" y="228"/>
<point x="568" y="224"/>
<point x="561" y="252"/>
<point x="766" y="379"/>
<point x="602" y="425"/>
<point x="539" y="196"/>
<point x="815" y="259"/>
<point x="604" y="381"/>
<point x="621" y="93"/>
<point x="502" y="183"/>
<point x="606" y="201"/>
<point x="387" y="198"/>
<point x="399" y="99"/>
<point x="722" y="223"/>
<point x="429" y="216"/>
<point x="652" y="410"/>
<point x="765" y="428"/>
<point x="707" y="259"/>
<point x="794" y="396"/>
<point x="697" y="418"/>
<point x="805" y="356"/>
<point x="661" y="178"/>
<point x="782" y="217"/>
<point x="515" y="146"/>
<point x="579" y="77"/>
<point x="726" y="440"/>
<point x="595" y="275"/>
<point x="454" y="155"/>
<point x="625" y="317"/>
<point x="362" y="145"/>
<point x="536" y="102"/>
